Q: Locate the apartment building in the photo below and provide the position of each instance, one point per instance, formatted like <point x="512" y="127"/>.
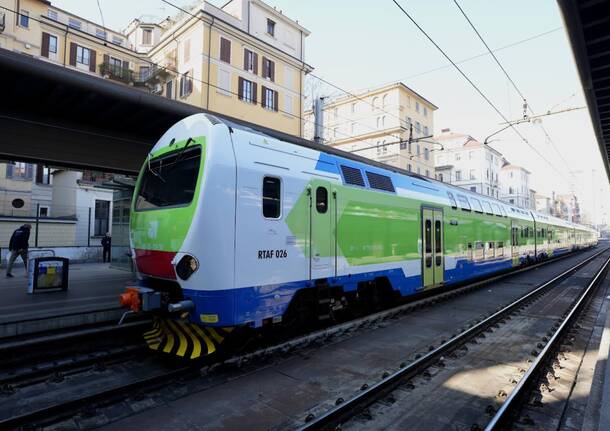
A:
<point x="245" y="59"/>
<point x="515" y="186"/>
<point x="377" y="124"/>
<point x="468" y="163"/>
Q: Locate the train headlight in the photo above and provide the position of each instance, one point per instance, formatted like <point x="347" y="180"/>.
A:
<point x="186" y="267"/>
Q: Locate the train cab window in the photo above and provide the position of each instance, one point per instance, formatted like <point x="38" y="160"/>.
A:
<point x="497" y="210"/>
<point x="487" y="207"/>
<point x="452" y="200"/>
<point x="321" y="200"/>
<point x="464" y="204"/>
<point x="272" y="205"/>
<point x="503" y="211"/>
<point x="476" y="205"/>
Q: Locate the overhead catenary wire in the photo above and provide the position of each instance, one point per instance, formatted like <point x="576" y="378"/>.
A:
<point x="477" y="89"/>
<point x="510" y="79"/>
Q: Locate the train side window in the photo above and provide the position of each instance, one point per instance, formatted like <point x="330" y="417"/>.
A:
<point x="452" y="200"/>
<point x="479" y="250"/>
<point x="476" y="205"/>
<point x="491" y="249"/>
<point x="272" y="202"/>
<point x="321" y="200"/>
<point x="437" y="236"/>
<point x="470" y="251"/>
<point x="464" y="204"/>
<point x="500" y="249"/>
<point x="428" y="236"/>
<point x="503" y="211"/>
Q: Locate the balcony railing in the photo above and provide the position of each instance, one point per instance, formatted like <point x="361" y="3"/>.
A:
<point x="117" y="73"/>
<point x="153" y="77"/>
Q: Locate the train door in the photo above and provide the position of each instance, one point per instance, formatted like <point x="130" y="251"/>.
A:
<point x="514" y="241"/>
<point x="322" y="232"/>
<point x="433" y="262"/>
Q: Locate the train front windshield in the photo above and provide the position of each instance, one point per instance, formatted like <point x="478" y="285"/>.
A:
<point x="169" y="181"/>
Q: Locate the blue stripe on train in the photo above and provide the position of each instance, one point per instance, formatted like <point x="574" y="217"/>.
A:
<point x="253" y="304"/>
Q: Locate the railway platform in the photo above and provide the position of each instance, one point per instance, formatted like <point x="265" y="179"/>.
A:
<point x="91" y="298"/>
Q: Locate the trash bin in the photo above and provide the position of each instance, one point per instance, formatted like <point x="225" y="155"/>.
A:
<point x="48" y="273"/>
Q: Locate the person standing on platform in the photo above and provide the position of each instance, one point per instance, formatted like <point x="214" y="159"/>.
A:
<point x="106" y="245"/>
<point x="18" y="246"/>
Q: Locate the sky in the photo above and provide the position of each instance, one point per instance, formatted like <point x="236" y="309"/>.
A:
<point x="359" y="44"/>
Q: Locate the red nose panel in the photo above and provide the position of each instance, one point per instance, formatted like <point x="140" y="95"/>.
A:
<point x="156" y="263"/>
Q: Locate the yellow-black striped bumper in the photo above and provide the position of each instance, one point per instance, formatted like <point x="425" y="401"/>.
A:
<point x="184" y="339"/>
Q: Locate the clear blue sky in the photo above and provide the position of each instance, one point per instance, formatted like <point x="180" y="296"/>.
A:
<point x="364" y="43"/>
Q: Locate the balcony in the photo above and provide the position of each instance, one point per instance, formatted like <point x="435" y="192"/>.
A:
<point x="117" y="73"/>
<point x="2" y="21"/>
<point x="153" y="77"/>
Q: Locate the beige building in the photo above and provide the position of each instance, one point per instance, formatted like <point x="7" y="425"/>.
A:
<point x="377" y="124"/>
<point x="245" y="59"/>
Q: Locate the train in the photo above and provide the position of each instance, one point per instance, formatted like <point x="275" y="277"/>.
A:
<point x="237" y="226"/>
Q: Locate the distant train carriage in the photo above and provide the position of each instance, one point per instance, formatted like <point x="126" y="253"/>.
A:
<point x="237" y="227"/>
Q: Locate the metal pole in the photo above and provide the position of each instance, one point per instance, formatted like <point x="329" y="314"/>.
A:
<point x="318" y="134"/>
<point x="37" y="221"/>
<point x="89" y="229"/>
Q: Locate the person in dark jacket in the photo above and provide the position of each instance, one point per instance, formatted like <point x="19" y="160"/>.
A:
<point x="18" y="246"/>
<point x="106" y="245"/>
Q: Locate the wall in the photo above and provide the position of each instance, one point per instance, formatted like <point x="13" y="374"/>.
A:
<point x="51" y="233"/>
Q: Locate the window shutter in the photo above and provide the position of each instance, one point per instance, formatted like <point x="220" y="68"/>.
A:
<point x="181" y="85"/>
<point x="39" y="171"/>
<point x="189" y="82"/>
<point x="255" y="60"/>
<point x="246" y="59"/>
<point x="240" y="88"/>
<point x="73" y="54"/>
<point x="106" y="63"/>
<point x="265" y="71"/>
<point x="272" y="70"/>
<point x="225" y="50"/>
<point x="28" y="171"/>
<point x="275" y="100"/>
<point x="254" y="93"/>
<point x="263" y="96"/>
<point x="92" y="60"/>
<point x="9" y="170"/>
<point x="44" y="49"/>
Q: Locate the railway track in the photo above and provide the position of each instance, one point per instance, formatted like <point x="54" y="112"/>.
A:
<point x="383" y="405"/>
<point x="132" y="374"/>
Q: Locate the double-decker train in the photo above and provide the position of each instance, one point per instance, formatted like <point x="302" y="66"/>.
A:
<point x="235" y="226"/>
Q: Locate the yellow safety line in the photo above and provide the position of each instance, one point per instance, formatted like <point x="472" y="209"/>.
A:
<point x="215" y="334"/>
<point x="153" y="346"/>
<point x="170" y="339"/>
<point x="153" y="334"/>
<point x="182" y="339"/>
<point x="208" y="342"/>
<point x="196" y="343"/>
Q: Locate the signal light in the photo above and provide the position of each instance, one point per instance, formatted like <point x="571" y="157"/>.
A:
<point x="186" y="267"/>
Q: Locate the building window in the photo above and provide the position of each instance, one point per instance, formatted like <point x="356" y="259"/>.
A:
<point x="457" y="156"/>
<point x="473" y="189"/>
<point x="250" y="60"/>
<point x="99" y="33"/>
<point x="270" y="27"/>
<point x="247" y="90"/>
<point x="458" y="175"/>
<point x="74" y="23"/>
<point x="440" y="177"/>
<point x="83" y="55"/>
<point x="24" y="19"/>
<point x="472" y="174"/>
<point x="19" y="171"/>
<point x="116" y="66"/>
<point x="409" y="167"/>
<point x="353" y="108"/>
<point x="268" y="69"/>
<point x="272" y="195"/>
<point x="52" y="14"/>
<point x="426" y="154"/>
<point x="52" y="44"/>
<point x="418" y="170"/>
<point x="417" y="106"/>
<point x="425" y="111"/>
<point x="147" y="36"/>
<point x="43" y="174"/>
<point x="186" y="84"/>
<point x="425" y="130"/>
<point x="43" y="211"/>
<point x="169" y="87"/>
<point x="418" y="152"/>
<point x="117" y="40"/>
<point x="225" y="50"/>
<point x="427" y="173"/>
<point x="417" y="127"/>
<point x="270" y="98"/>
<point x="375" y="102"/>
<point x="102" y="216"/>
<point x="144" y="72"/>
<point x="384" y="100"/>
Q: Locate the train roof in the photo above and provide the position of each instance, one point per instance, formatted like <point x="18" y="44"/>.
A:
<point x="419" y="181"/>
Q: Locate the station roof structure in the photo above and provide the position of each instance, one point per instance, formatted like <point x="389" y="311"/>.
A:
<point x="588" y="27"/>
